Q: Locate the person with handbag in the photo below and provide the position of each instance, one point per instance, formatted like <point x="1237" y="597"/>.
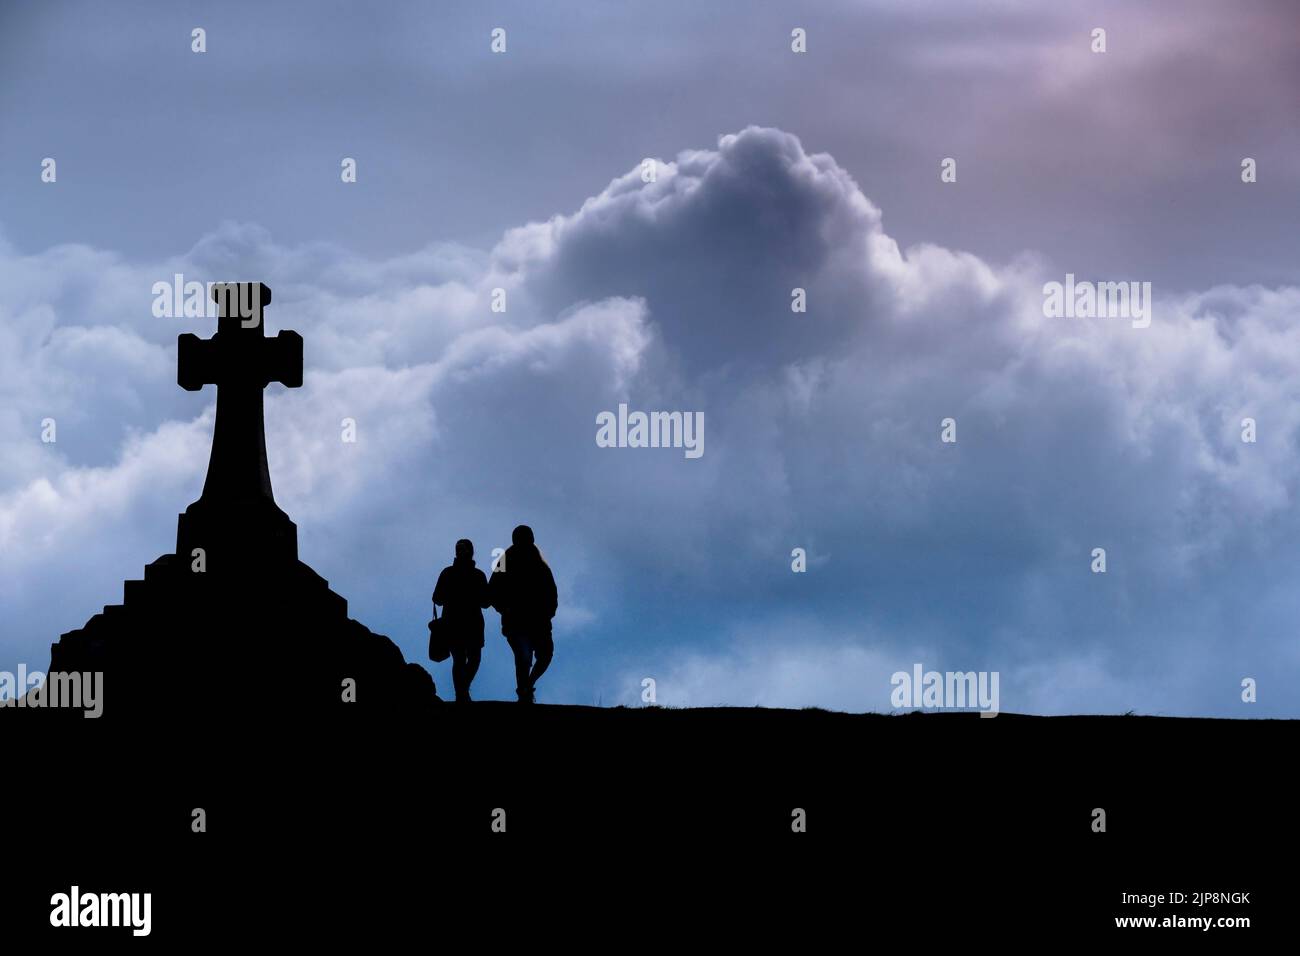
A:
<point x="462" y="592"/>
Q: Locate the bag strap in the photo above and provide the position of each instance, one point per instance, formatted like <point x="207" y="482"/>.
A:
<point x="435" y="612"/>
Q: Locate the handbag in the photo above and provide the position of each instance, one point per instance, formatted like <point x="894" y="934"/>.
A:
<point x="439" y="651"/>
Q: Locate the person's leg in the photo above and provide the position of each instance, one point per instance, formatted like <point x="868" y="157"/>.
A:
<point x="458" y="680"/>
<point x="544" y="647"/>
<point x="473" y="657"/>
<point x="523" y="657"/>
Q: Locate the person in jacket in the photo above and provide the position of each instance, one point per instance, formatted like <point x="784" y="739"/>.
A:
<point x="462" y="593"/>
<point x="522" y="589"/>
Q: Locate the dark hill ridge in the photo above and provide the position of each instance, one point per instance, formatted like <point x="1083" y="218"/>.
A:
<point x="660" y="759"/>
<point x="365" y="817"/>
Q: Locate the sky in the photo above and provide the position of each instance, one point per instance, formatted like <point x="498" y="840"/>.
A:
<point x="774" y="170"/>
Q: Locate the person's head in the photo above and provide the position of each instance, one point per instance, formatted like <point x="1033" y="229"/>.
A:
<point x="523" y="547"/>
<point x="464" y="549"/>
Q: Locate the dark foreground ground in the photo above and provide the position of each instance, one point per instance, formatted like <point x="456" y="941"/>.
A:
<point x="646" y="828"/>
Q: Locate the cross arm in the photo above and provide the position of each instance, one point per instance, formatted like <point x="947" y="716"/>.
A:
<point x="194" y="362"/>
<point x="283" y="359"/>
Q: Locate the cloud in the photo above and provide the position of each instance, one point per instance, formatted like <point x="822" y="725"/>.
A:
<point x="843" y="676"/>
<point x="715" y="244"/>
<point x="822" y="433"/>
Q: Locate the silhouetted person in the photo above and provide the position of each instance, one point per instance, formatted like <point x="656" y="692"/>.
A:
<point x="523" y="590"/>
<point x="462" y="592"/>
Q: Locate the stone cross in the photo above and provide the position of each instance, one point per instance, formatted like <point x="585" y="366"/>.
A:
<point x="240" y="361"/>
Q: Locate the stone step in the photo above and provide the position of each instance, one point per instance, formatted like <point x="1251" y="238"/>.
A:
<point x="135" y="591"/>
<point x="161" y="568"/>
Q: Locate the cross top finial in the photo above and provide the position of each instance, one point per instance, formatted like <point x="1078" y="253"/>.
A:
<point x="240" y="300"/>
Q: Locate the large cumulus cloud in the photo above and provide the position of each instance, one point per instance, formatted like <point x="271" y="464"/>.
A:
<point x="821" y="432"/>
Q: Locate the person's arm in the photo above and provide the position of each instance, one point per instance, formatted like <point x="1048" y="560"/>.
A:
<point x="439" y="589"/>
<point x="485" y="595"/>
<point x="496" y="590"/>
<point x="552" y="594"/>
